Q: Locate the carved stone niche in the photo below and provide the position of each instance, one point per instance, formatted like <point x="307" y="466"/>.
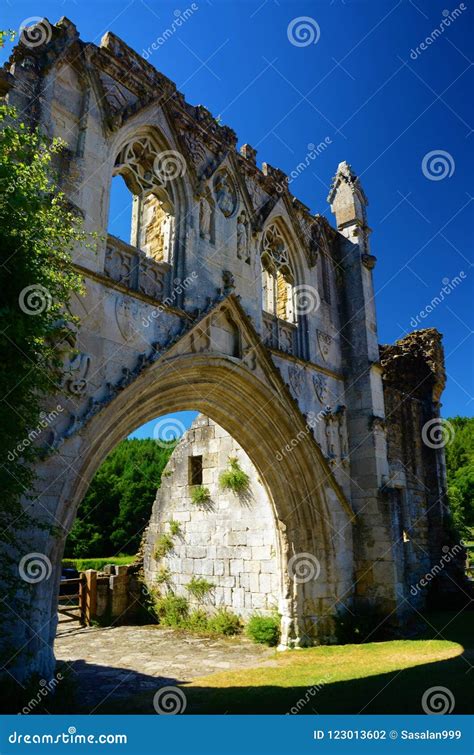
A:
<point x="225" y="193"/>
<point x="207" y="219"/>
<point x="225" y="335"/>
<point x="243" y="238"/>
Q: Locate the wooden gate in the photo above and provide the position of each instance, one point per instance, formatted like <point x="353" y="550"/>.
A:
<point x="72" y="599"/>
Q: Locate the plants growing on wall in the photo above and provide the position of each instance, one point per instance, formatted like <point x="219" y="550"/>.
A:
<point x="175" y="527"/>
<point x="199" y="587"/>
<point x="234" y="478"/>
<point x="200" y="494"/>
<point x="163" y="545"/>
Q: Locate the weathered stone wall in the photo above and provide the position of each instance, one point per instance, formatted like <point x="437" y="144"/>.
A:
<point x="179" y="319"/>
<point x="230" y="540"/>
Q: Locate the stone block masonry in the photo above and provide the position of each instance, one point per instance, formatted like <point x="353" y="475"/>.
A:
<point x="230" y="540"/>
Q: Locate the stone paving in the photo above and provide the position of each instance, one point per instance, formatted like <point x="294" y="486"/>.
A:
<point x="124" y="661"/>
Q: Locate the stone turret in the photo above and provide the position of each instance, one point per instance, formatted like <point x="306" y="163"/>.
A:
<point x="348" y="203"/>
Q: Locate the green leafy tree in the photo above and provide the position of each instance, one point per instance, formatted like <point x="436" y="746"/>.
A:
<point x="460" y="474"/>
<point x="38" y="232"/>
<point x="118" y="504"/>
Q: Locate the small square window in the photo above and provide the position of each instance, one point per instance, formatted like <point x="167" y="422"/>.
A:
<point x="195" y="470"/>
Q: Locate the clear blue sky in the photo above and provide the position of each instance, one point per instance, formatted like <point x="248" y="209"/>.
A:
<point x="382" y="106"/>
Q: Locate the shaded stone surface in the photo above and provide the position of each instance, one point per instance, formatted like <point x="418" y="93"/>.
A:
<point x="124" y="661"/>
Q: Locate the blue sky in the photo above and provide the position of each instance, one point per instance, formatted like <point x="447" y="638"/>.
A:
<point x="363" y="85"/>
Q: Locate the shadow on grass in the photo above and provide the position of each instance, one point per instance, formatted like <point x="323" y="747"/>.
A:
<point x="104" y="689"/>
<point x="397" y="692"/>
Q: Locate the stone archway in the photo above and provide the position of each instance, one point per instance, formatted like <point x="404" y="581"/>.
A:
<point x="263" y="421"/>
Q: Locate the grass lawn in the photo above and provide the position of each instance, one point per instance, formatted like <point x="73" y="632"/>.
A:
<point x="81" y="564"/>
<point x="379" y="677"/>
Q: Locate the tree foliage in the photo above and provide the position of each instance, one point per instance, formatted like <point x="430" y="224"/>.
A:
<point x="460" y="473"/>
<point x="118" y="504"/>
<point x="38" y="232"/>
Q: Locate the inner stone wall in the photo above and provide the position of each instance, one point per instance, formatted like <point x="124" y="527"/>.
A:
<point x="230" y="540"/>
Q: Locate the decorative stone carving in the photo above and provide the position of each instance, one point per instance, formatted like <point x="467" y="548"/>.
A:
<point x="250" y="358"/>
<point x="152" y="276"/>
<point x="118" y="262"/>
<point x="243" y="238"/>
<point x="137" y="161"/>
<point x="286" y="341"/>
<point x="228" y="280"/>
<point x="324" y="343"/>
<point x="257" y="195"/>
<point x="77" y="371"/>
<point x="200" y="340"/>
<point x="127" y="312"/>
<point x="377" y="423"/>
<point x="274" y="250"/>
<point x="196" y="150"/>
<point x="368" y="261"/>
<point x="226" y="195"/>
<point x="296" y="376"/>
<point x="320" y="385"/>
<point x="205" y="219"/>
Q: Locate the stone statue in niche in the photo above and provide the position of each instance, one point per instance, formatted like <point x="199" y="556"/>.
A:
<point x="242" y="238"/>
<point x="226" y="197"/>
<point x="205" y="219"/>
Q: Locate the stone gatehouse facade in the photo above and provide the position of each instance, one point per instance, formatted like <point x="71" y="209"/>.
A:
<point x="230" y="298"/>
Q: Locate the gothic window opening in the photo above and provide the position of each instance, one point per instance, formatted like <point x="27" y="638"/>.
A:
<point x="120" y="210"/>
<point x="152" y="218"/>
<point x="277" y="276"/>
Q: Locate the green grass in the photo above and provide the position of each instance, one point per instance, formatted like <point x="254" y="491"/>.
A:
<point x="81" y="564"/>
<point x="380" y="677"/>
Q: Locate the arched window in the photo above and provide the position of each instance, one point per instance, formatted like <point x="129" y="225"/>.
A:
<point x="277" y="275"/>
<point x="153" y="216"/>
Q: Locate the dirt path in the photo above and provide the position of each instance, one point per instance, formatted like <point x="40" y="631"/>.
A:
<point x="124" y="661"/>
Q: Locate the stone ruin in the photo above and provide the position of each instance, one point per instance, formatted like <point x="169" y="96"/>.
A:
<point x="230" y="298"/>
